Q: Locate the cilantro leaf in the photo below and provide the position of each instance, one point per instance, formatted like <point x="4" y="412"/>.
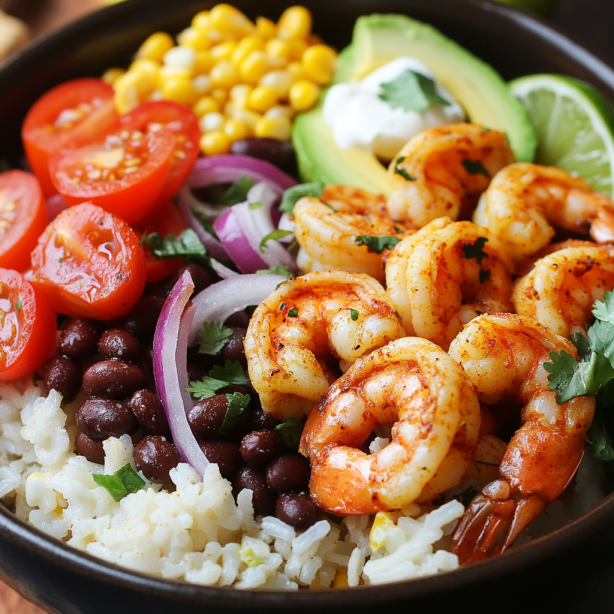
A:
<point x="411" y="91"/>
<point x="206" y="223"/>
<point x="377" y="244"/>
<point x="231" y="373"/>
<point x="601" y="336"/>
<point x="277" y="270"/>
<point x="354" y="314"/>
<point x="273" y="236"/>
<point x="293" y="313"/>
<point x="601" y="440"/>
<point x="290" y="432"/>
<point x="236" y="193"/>
<point x="295" y="193"/>
<point x="237" y="404"/>
<point x="583" y="345"/>
<point x="475" y="167"/>
<point x="255" y="205"/>
<point x="206" y="388"/>
<point x="215" y="337"/>
<point x="474" y="250"/>
<point x="121" y="483"/>
<point x="401" y="171"/>
<point x="604" y="310"/>
<point x="187" y="246"/>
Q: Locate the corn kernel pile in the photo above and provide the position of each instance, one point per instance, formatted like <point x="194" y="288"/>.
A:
<point x="240" y="78"/>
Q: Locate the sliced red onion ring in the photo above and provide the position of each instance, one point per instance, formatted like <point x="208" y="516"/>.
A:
<point x="170" y="369"/>
<point x="213" y="246"/>
<point x="221" y="300"/>
<point x="223" y="271"/>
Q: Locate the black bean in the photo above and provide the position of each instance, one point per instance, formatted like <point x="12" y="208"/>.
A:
<point x="279" y="153"/>
<point x="119" y="343"/>
<point x="155" y="457"/>
<point x="104" y="418"/>
<point x="239" y="320"/>
<point x="261" y="421"/>
<point x="64" y="375"/>
<point x="90" y="448"/>
<point x="260" y="447"/>
<point x="142" y="320"/>
<point x="113" y="378"/>
<point x="78" y="338"/>
<point x="150" y="413"/>
<point x="225" y="454"/>
<point x="234" y="350"/>
<point x="206" y="417"/>
<point x="288" y="473"/>
<point x="299" y="511"/>
<point x="200" y="276"/>
<point x="263" y="498"/>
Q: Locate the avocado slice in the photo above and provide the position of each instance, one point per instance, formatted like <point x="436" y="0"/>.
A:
<point x="377" y="40"/>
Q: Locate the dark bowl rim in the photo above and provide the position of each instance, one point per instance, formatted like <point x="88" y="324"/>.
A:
<point x="25" y="535"/>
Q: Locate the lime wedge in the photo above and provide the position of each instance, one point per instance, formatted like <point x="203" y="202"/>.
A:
<point x="574" y="124"/>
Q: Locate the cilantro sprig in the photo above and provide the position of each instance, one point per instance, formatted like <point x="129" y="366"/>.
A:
<point x="219" y="377"/>
<point x="187" y="246"/>
<point x="476" y="250"/>
<point x="215" y="336"/>
<point x="274" y="236"/>
<point x="411" y="91"/>
<point x="376" y="244"/>
<point x="295" y="193"/>
<point x="290" y="432"/>
<point x="121" y="483"/>
<point x="277" y="270"/>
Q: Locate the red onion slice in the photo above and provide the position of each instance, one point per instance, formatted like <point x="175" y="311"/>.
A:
<point x="170" y="369"/>
<point x="223" y="271"/>
<point x="221" y="300"/>
<point x="213" y="246"/>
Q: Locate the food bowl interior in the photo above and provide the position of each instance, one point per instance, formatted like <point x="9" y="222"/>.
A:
<point x="63" y="580"/>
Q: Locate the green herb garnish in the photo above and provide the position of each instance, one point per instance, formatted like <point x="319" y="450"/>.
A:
<point x="295" y="193"/>
<point x="232" y="373"/>
<point x="206" y="388"/>
<point x="354" y="314"/>
<point x="237" y="404"/>
<point x="475" y="167"/>
<point x="475" y="250"/>
<point x="293" y="313"/>
<point x="215" y="336"/>
<point x="273" y="236"/>
<point x="236" y="193"/>
<point x="277" y="270"/>
<point x="255" y="205"/>
<point x="290" y="432"/>
<point x="187" y="246"/>
<point x="121" y="483"/>
<point x="411" y="91"/>
<point x="401" y="171"/>
<point x="377" y="244"/>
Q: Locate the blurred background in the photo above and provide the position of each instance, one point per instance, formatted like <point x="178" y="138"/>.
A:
<point x="590" y="22"/>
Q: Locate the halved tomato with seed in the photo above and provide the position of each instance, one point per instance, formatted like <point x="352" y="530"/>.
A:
<point x="23" y="217"/>
<point x="27" y="326"/>
<point x="69" y="115"/>
<point x="89" y="263"/>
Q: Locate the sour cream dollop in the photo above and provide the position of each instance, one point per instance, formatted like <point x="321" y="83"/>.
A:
<point x="359" y="118"/>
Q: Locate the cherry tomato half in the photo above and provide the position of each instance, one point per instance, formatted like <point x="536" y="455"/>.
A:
<point x="168" y="219"/>
<point x="27" y="326"/>
<point x="23" y="217"/>
<point x="69" y="115"/>
<point x="89" y="263"/>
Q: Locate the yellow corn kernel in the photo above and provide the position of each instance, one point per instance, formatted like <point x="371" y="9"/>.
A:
<point x="341" y="580"/>
<point x="197" y="38"/>
<point x="245" y="46"/>
<point x="278" y="128"/>
<point x="211" y="122"/>
<point x="297" y="47"/>
<point x="203" y="62"/>
<point x="229" y="109"/>
<point x="296" y="71"/>
<point x="126" y="99"/>
<point x="220" y="95"/>
<point x="295" y="22"/>
<point x="223" y="51"/>
<point x="202" y="84"/>
<point x="201" y="20"/>
<point x="224" y="74"/>
<point x="170" y="72"/>
<point x="142" y="81"/>
<point x="262" y="98"/>
<point x="278" y="80"/>
<point x="319" y="63"/>
<point x="303" y="95"/>
<point x="235" y="130"/>
<point x="179" y="89"/>
<point x="382" y="523"/>
<point x="266" y="28"/>
<point x="279" y="50"/>
<point x="280" y="110"/>
<point x="155" y="46"/>
<point x="214" y="143"/>
<point x="249" y="118"/>
<point x="239" y="95"/>
<point x="149" y="68"/>
<point x="254" y="66"/>
<point x="205" y="105"/>
<point x="227" y="18"/>
<point x="112" y="74"/>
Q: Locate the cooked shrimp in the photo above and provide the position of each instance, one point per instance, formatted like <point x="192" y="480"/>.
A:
<point x="503" y="356"/>
<point x="525" y="201"/>
<point x="326" y="229"/>
<point x="443" y="171"/>
<point x="445" y="275"/>
<point x="560" y="290"/>
<point x="523" y="267"/>
<point x="414" y="384"/>
<point x="307" y="324"/>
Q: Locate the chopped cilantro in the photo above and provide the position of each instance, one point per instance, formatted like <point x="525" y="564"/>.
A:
<point x="187" y="246"/>
<point x="354" y="314"/>
<point x="475" y="167"/>
<point x="277" y="270"/>
<point x="293" y="313"/>
<point x="255" y="205"/>
<point x="474" y="250"/>
<point x="236" y="193"/>
<point x="18" y="305"/>
<point x="232" y="373"/>
<point x="295" y="193"/>
<point x="273" y="236"/>
<point x="206" y="388"/>
<point x="215" y="336"/>
<point x="411" y="91"/>
<point x="237" y="404"/>
<point x="401" y="171"/>
<point x="485" y="129"/>
<point x="121" y="483"/>
<point x="290" y="432"/>
<point x="377" y="244"/>
<point x="330" y="207"/>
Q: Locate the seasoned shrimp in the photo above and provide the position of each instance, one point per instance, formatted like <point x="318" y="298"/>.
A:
<point x="560" y="290"/>
<point x="307" y="324"/>
<point x="525" y="201"/>
<point x="503" y="356"/>
<point x="326" y="229"/>
<point x="443" y="171"/>
<point x="445" y="275"/>
<point x="414" y="384"/>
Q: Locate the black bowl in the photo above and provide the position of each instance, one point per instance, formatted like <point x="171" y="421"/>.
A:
<point x="551" y="573"/>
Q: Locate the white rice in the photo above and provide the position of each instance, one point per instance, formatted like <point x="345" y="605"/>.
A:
<point x="198" y="533"/>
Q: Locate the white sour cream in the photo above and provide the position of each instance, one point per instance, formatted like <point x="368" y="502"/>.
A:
<point x="359" y="118"/>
